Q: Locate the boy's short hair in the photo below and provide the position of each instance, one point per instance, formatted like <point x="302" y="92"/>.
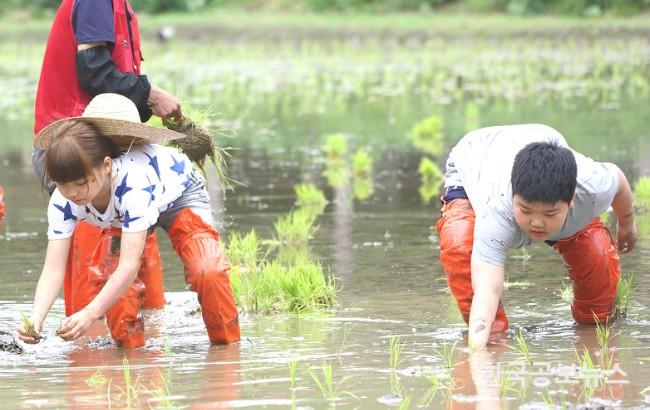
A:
<point x="544" y="172"/>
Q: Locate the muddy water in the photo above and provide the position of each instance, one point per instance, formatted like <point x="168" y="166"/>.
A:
<point x="383" y="252"/>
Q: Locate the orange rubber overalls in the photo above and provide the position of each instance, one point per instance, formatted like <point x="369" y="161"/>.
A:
<point x="590" y="257"/>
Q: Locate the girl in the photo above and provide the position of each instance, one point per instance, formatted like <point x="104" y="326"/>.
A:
<point x="127" y="195"/>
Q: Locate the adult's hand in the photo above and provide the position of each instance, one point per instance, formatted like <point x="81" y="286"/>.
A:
<point x="164" y="105"/>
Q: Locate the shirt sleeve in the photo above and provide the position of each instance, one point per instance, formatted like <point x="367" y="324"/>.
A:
<point x="600" y="182"/>
<point x="62" y="217"/>
<point x="493" y="237"/>
<point x="92" y="21"/>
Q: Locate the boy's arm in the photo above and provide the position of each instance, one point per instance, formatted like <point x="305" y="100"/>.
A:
<point x="49" y="285"/>
<point x="487" y="283"/>
<point x="624" y="210"/>
<point x="131" y="247"/>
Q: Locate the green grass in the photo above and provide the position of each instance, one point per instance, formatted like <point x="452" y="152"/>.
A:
<point x="431" y="179"/>
<point x="642" y="193"/>
<point x="325" y="384"/>
<point x="427" y="136"/>
<point x="624" y="292"/>
<point x="97" y="379"/>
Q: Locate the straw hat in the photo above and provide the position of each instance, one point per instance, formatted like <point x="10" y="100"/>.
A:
<point x="117" y="118"/>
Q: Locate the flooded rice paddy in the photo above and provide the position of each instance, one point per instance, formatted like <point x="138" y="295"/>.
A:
<point x="394" y="338"/>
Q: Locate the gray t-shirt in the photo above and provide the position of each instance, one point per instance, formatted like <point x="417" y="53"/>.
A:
<point x="482" y="162"/>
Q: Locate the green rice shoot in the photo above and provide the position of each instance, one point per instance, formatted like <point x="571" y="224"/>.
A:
<point x="642" y="193"/>
<point x="431" y="179"/>
<point x="362" y="183"/>
<point x="427" y="136"/>
<point x="624" y="291"/>
<point x="309" y="197"/>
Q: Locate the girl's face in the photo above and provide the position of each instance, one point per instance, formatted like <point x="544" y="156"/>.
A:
<point x="85" y="190"/>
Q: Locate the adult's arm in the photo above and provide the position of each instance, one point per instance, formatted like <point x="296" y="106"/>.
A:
<point x="98" y="74"/>
<point x="487" y="283"/>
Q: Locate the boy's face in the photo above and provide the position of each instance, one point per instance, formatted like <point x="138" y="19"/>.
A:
<point x="540" y="220"/>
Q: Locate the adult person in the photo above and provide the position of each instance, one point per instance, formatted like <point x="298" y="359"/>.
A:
<point x="508" y="186"/>
<point x="93" y="48"/>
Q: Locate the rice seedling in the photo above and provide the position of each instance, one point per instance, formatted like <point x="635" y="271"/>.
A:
<point x="431" y="179"/>
<point x="548" y="399"/>
<point x="326" y="385"/>
<point x="243" y="250"/>
<point x="131" y="387"/>
<point x="336" y="168"/>
<point x="297" y="226"/>
<point x="566" y="292"/>
<point x="446" y="355"/>
<point x="199" y="144"/>
<point x="347" y="329"/>
<point x="624" y="292"/>
<point x="293" y="366"/>
<point x="642" y="193"/>
<point x="603" y="333"/>
<point x="97" y="379"/>
<point x="427" y="135"/>
<point x="161" y="394"/>
<point x="405" y="403"/>
<point x="522" y="347"/>
<point x="29" y="326"/>
<point x="432" y="391"/>
<point x="362" y="185"/>
<point x="396" y="346"/>
<point x="310" y="197"/>
<point x="506" y="382"/>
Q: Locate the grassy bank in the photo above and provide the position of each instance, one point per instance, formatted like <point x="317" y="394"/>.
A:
<point x="225" y="23"/>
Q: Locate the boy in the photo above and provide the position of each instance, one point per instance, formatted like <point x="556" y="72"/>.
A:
<point x="508" y="186"/>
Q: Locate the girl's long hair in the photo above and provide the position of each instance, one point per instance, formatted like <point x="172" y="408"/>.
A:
<point x="77" y="148"/>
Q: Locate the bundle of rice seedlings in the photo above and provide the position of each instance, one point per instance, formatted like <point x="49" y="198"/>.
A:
<point x="199" y="145"/>
<point x="29" y="326"/>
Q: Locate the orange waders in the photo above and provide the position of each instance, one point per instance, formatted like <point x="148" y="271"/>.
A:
<point x="594" y="268"/>
<point x="79" y="287"/>
<point x="206" y="271"/>
<point x="590" y="256"/>
<point x="456" y="233"/>
<point x="2" y="204"/>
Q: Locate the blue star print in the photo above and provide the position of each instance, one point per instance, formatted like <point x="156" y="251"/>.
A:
<point x="128" y="219"/>
<point x="153" y="161"/>
<point x="187" y="182"/>
<point x="150" y="189"/>
<point x="178" y="167"/>
<point x="122" y="189"/>
<point x="67" y="211"/>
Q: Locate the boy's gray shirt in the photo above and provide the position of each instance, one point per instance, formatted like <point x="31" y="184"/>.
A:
<point x="482" y="162"/>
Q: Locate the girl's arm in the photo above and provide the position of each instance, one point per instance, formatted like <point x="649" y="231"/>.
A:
<point x="49" y="285"/>
<point x="131" y="247"/>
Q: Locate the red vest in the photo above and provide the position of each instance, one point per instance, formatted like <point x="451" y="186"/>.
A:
<point x="59" y="93"/>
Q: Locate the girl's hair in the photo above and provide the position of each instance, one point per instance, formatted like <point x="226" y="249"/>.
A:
<point x="77" y="147"/>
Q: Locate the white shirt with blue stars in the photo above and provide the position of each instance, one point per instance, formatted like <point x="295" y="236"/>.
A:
<point x="146" y="181"/>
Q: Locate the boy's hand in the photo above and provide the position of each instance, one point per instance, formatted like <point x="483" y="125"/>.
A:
<point x="626" y="236"/>
<point x="76" y="325"/>
<point x="31" y="338"/>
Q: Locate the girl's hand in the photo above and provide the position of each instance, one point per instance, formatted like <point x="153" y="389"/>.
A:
<point x="33" y="337"/>
<point x="76" y="325"/>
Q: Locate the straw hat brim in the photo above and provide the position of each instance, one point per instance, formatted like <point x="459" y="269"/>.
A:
<point x="121" y="132"/>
